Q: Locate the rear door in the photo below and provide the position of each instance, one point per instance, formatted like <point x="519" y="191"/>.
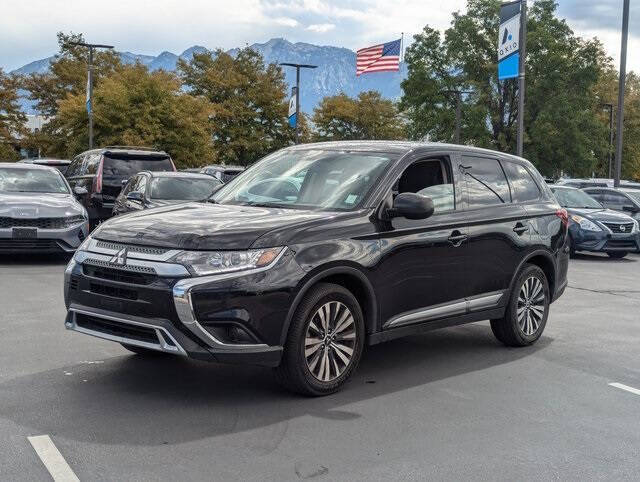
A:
<point x="499" y="231"/>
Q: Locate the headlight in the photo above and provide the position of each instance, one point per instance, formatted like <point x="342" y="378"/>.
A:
<point x="213" y="262"/>
<point x="636" y="227"/>
<point x="83" y="246"/>
<point x="585" y="223"/>
<point x="73" y="220"/>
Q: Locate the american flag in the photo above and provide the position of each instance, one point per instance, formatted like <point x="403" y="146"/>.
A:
<point x="379" y="58"/>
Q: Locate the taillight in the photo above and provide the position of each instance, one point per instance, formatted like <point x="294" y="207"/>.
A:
<point x="97" y="181"/>
<point x="563" y="215"/>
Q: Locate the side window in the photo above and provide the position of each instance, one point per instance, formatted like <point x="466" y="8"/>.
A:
<point x="141" y="185"/>
<point x="128" y="187"/>
<point x="597" y="195"/>
<point x="430" y="178"/>
<point x="523" y="187"/>
<point x="486" y="183"/>
<point x="617" y="201"/>
<point x="74" y="167"/>
<point x="91" y="164"/>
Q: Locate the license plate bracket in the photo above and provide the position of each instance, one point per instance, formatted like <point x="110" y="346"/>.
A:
<point x="25" y="233"/>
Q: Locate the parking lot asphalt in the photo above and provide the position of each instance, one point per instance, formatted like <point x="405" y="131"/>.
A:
<point x="449" y="405"/>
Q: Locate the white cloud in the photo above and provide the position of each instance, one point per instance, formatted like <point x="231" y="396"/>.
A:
<point x="287" y="22"/>
<point x="321" y="27"/>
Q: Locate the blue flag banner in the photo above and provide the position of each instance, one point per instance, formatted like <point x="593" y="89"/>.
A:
<point x="509" y="41"/>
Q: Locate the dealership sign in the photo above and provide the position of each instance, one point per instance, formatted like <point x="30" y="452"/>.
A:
<point x="509" y="41"/>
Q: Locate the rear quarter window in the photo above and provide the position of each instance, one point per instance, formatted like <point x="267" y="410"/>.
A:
<point x="523" y="187"/>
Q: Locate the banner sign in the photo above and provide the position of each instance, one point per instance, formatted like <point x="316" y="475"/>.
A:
<point x="509" y="41"/>
<point x="292" y="108"/>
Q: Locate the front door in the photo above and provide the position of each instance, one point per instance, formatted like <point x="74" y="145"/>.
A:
<point x="422" y="274"/>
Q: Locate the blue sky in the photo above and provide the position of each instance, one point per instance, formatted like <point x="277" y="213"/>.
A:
<point x="151" y="26"/>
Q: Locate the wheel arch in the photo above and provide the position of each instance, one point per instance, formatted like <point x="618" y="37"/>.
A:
<point x="348" y="277"/>
<point x="543" y="260"/>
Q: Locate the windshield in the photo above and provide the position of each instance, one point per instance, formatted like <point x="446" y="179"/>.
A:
<point x="634" y="194"/>
<point x="194" y="189"/>
<point x="307" y="179"/>
<point x="574" y="198"/>
<point x="31" y="180"/>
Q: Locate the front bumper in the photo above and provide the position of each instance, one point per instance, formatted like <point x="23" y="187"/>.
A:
<point x="171" y="312"/>
<point x="604" y="241"/>
<point x="46" y="241"/>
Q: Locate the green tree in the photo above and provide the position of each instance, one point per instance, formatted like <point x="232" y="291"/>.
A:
<point x="368" y="116"/>
<point x="249" y="103"/>
<point x="562" y="130"/>
<point x="136" y="107"/>
<point x="12" y="119"/>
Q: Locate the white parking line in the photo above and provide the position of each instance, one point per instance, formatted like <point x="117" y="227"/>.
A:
<point x="52" y="459"/>
<point x="625" y="388"/>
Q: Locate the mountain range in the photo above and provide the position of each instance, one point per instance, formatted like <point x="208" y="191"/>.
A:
<point x="335" y="72"/>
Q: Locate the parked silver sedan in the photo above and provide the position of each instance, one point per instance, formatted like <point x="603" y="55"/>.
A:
<point x="38" y="212"/>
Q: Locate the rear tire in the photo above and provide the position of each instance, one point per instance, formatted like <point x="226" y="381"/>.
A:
<point x="325" y="342"/>
<point x="526" y="314"/>
<point x="617" y="254"/>
<point x="138" y="350"/>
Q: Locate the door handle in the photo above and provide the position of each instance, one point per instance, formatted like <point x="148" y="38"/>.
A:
<point x="520" y="229"/>
<point x="457" y="238"/>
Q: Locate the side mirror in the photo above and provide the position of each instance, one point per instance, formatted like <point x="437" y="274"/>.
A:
<point x="80" y="191"/>
<point x="411" y="206"/>
<point x="135" y="196"/>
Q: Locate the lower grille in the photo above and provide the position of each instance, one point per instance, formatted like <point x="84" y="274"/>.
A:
<point x="619" y="244"/>
<point x="624" y="228"/>
<point x="41" y="223"/>
<point x="113" y="291"/>
<point x="115" y="328"/>
<point x="28" y="244"/>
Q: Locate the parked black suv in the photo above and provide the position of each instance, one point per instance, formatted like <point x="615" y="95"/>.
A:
<point x="318" y="250"/>
<point x="96" y="176"/>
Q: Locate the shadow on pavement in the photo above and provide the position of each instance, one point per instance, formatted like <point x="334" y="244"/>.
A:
<point x="597" y="257"/>
<point x="132" y="400"/>
<point x="34" y="259"/>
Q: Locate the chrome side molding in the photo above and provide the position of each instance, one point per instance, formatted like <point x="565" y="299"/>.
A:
<point x="445" y="310"/>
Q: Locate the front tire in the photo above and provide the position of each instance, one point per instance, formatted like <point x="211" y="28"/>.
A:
<point x="325" y="342"/>
<point x="617" y="254"/>
<point x="526" y="314"/>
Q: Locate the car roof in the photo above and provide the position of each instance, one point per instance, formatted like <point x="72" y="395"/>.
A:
<point x="45" y="161"/>
<point x="223" y="167"/>
<point x="189" y="175"/>
<point x="131" y="150"/>
<point x="403" y="147"/>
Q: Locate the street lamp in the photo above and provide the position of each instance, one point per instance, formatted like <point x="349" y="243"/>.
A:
<point x="298" y="67"/>
<point x="91" y="48"/>
<point x="458" y="94"/>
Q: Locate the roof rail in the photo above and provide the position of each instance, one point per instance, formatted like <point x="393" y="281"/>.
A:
<point x="137" y="148"/>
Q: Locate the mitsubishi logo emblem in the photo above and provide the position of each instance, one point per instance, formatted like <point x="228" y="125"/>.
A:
<point x="120" y="258"/>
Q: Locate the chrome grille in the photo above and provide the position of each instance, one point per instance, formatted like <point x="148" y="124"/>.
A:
<point x="618" y="228"/>
<point x="130" y="248"/>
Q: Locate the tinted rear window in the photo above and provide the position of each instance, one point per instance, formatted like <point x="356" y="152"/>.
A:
<point x="486" y="182"/>
<point x="127" y="167"/>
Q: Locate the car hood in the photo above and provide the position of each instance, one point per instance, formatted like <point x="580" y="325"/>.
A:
<point x="204" y="226"/>
<point x="28" y="205"/>
<point x="602" y="215"/>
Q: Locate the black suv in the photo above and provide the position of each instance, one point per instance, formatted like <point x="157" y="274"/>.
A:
<point x="318" y="250"/>
<point x="96" y="176"/>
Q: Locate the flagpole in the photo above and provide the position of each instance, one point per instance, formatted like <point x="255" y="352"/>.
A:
<point x="402" y="47"/>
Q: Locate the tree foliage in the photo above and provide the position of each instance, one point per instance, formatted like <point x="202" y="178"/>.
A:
<point x="249" y="103"/>
<point x="368" y="116"/>
<point x="562" y="129"/>
<point x="12" y="119"/>
<point x="136" y="107"/>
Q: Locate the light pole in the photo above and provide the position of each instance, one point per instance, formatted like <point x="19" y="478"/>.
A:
<point x="91" y="48"/>
<point x="521" y="75"/>
<point x="458" y="94"/>
<point x="610" y="108"/>
<point x="298" y="67"/>
<point x="623" y="75"/>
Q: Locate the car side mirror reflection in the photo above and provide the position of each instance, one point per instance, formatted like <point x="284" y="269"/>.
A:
<point x="135" y="196"/>
<point x="411" y="206"/>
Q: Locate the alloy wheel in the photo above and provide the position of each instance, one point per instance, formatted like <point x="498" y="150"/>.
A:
<point x="330" y="341"/>
<point x="531" y="305"/>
